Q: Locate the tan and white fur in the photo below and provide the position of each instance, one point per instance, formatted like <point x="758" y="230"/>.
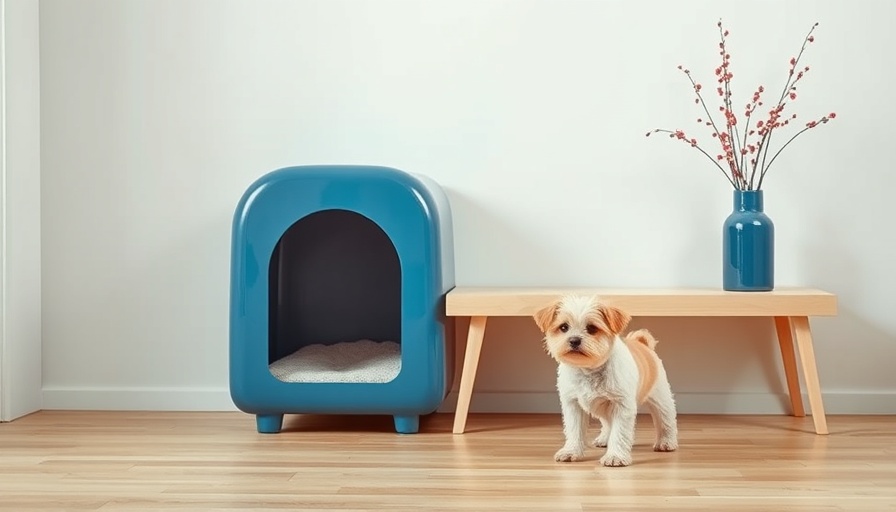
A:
<point x="604" y="375"/>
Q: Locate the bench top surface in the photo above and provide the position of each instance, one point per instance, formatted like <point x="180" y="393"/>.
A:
<point x="525" y="301"/>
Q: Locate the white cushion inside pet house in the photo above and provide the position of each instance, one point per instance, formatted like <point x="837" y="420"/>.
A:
<point x="338" y="280"/>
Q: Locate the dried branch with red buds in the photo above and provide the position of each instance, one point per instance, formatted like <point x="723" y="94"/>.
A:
<point x="744" y="159"/>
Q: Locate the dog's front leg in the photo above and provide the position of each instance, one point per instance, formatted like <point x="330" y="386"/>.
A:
<point x="575" y="426"/>
<point x="622" y="416"/>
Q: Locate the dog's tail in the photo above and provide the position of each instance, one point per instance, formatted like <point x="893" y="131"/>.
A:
<point x="643" y="336"/>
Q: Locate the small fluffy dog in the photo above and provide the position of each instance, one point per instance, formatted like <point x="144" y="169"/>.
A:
<point x="604" y="375"/>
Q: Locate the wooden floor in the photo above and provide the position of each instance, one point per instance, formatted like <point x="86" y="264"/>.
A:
<point x="216" y="461"/>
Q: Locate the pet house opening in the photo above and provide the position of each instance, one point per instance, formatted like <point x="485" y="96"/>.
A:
<point x="335" y="301"/>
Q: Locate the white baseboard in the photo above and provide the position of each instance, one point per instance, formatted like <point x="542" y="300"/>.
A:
<point x="137" y="399"/>
<point x="218" y="399"/>
<point x="690" y="403"/>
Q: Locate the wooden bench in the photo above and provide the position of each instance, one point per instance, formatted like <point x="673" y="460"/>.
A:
<point x="789" y="307"/>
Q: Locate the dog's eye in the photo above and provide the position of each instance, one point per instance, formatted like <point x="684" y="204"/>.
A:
<point x="592" y="329"/>
<point x="564" y="327"/>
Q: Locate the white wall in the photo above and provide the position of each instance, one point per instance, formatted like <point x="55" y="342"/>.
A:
<point x="157" y="114"/>
<point x="20" y="303"/>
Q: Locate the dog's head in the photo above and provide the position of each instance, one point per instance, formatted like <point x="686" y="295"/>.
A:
<point x="580" y="330"/>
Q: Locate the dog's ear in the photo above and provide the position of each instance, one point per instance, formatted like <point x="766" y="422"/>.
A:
<point x="617" y="319"/>
<point x="544" y="316"/>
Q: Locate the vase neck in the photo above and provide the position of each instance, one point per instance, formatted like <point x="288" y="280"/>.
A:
<point x="748" y="200"/>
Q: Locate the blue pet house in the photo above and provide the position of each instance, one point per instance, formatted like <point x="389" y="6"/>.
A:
<point x="327" y="257"/>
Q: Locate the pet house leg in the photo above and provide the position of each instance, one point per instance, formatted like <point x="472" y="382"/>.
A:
<point x="269" y="423"/>
<point x="407" y="424"/>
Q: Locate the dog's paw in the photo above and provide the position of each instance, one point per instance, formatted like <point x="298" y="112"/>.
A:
<point x="616" y="460"/>
<point x="569" y="455"/>
<point x="600" y="441"/>
<point x="665" y="445"/>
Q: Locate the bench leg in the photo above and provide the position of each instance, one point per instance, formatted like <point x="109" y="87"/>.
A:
<point x="785" y="339"/>
<point x="468" y="374"/>
<point x="810" y="372"/>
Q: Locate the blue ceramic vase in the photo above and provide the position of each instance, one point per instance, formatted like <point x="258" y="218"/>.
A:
<point x="748" y="238"/>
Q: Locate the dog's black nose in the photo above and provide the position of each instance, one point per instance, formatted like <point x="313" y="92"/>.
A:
<point x="574" y="341"/>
